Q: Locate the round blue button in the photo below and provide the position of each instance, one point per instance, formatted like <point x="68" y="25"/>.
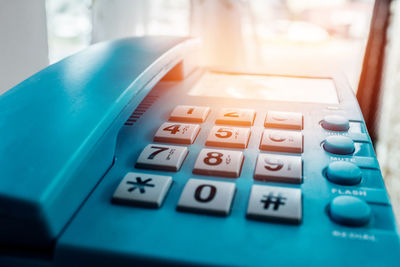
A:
<point x="349" y="210"/>
<point x="335" y="123"/>
<point x="344" y="173"/>
<point x="341" y="145"/>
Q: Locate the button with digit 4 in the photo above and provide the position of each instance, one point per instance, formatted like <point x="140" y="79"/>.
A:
<point x="206" y="196"/>
<point x="284" y="120"/>
<point x="177" y="133"/>
<point x="236" y="116"/>
<point x="219" y="162"/>
<point x="183" y="113"/>
<point x="223" y="136"/>
<point x="282" y="141"/>
<point x="279" y="168"/>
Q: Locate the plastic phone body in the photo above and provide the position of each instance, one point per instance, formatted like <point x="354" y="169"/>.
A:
<point x="73" y="131"/>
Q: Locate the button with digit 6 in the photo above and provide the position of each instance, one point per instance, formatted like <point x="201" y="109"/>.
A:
<point x="335" y="123"/>
<point x="350" y="211"/>
<point x="341" y="145"/>
<point x="343" y="172"/>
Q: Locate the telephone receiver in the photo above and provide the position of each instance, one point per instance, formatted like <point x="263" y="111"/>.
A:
<point x="58" y="130"/>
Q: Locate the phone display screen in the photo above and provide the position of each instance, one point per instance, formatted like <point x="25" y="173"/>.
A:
<point x="273" y="88"/>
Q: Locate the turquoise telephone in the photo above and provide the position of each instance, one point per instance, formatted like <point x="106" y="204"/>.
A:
<point x="124" y="154"/>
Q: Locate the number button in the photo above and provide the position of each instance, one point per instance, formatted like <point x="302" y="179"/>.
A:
<point x="225" y="163"/>
<point x="279" y="168"/>
<point x="142" y="189"/>
<point x="177" y="133"/>
<point x="282" y="141"/>
<point x="206" y="196"/>
<point x="228" y="137"/>
<point x="232" y="116"/>
<point x="189" y="114"/>
<point x="270" y="203"/>
<point x="161" y="157"/>
<point x="284" y="120"/>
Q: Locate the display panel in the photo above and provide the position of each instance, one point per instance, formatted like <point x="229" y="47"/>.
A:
<point x="273" y="88"/>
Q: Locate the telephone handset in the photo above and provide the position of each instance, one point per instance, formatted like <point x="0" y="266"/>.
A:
<point x="58" y="130"/>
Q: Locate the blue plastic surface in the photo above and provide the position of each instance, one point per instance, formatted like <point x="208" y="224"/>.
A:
<point x="349" y="210"/>
<point x="55" y="122"/>
<point x="344" y="173"/>
<point x="335" y="123"/>
<point x="341" y="145"/>
<point x="102" y="233"/>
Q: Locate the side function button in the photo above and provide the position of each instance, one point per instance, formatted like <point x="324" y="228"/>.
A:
<point x="162" y="157"/>
<point x="236" y="116"/>
<point x="284" y="120"/>
<point x="272" y="203"/>
<point x="349" y="210"/>
<point x="142" y="189"/>
<point x="189" y="114"/>
<point x="177" y="133"/>
<point x="219" y="162"/>
<point x="282" y="141"/>
<point x="341" y="145"/>
<point x="343" y="173"/>
<point x="279" y="168"/>
<point x="234" y="137"/>
<point x="335" y="123"/>
<point x="206" y="196"/>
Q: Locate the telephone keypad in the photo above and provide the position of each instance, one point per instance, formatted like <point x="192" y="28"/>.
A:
<point x="236" y="116"/>
<point x="162" y="157"/>
<point x="222" y="136"/>
<point x="177" y="133"/>
<point x="282" y="141"/>
<point x="218" y="162"/>
<point x="272" y="203"/>
<point x="279" y="168"/>
<point x="207" y="196"/>
<point x="142" y="189"/>
<point x="194" y="114"/>
<point x="284" y="120"/>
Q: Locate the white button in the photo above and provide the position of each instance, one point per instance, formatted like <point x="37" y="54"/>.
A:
<point x="236" y="116"/>
<point x="228" y="137"/>
<point x="142" y="189"/>
<point x="273" y="203"/>
<point x="189" y="114"/>
<point x="206" y="196"/>
<point x="279" y="168"/>
<point x="219" y="162"/>
<point x="177" y="133"/>
<point x="282" y="141"/>
<point x="284" y="120"/>
<point x="162" y="157"/>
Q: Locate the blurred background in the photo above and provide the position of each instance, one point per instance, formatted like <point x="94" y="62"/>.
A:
<point x="310" y="37"/>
